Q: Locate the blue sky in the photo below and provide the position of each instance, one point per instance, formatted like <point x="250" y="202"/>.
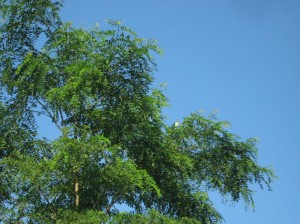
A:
<point x="238" y="57"/>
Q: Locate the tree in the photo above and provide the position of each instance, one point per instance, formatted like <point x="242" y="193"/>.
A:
<point x="114" y="148"/>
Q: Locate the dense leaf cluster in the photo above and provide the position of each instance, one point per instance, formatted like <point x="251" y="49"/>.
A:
<point x="114" y="147"/>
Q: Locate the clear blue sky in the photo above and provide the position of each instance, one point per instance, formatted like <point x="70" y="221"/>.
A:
<point x="239" y="57"/>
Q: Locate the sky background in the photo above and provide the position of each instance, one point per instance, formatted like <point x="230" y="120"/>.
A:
<point x="238" y="57"/>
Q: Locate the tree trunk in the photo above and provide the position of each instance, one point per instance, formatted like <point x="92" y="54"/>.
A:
<point x="76" y="191"/>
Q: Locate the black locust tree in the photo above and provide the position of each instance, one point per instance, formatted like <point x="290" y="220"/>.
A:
<point x="114" y="146"/>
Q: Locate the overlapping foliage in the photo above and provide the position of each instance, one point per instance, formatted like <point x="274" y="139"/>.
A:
<point x="114" y="148"/>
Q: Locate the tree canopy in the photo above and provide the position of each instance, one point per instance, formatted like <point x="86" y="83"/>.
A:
<point x="114" y="147"/>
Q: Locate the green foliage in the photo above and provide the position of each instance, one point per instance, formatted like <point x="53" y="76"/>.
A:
<point x="152" y="216"/>
<point x="114" y="146"/>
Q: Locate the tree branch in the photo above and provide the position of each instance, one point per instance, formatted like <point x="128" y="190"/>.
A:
<point x="54" y="120"/>
<point x="110" y="205"/>
<point x="46" y="198"/>
<point x="61" y="116"/>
